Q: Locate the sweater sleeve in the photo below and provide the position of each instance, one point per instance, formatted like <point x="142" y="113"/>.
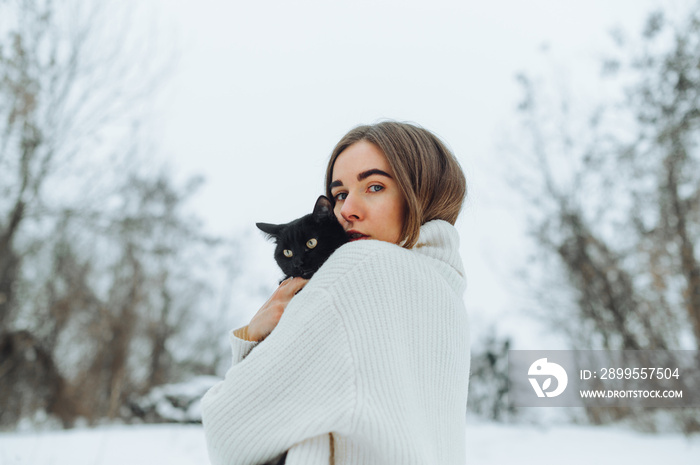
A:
<point x="240" y="345"/>
<point x="297" y="384"/>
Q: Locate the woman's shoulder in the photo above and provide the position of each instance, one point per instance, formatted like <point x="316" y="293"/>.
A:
<point x="360" y="260"/>
<point x="367" y="251"/>
<point x="364" y="249"/>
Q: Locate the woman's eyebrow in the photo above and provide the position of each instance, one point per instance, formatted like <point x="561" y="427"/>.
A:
<point x="361" y="176"/>
<point x="368" y="173"/>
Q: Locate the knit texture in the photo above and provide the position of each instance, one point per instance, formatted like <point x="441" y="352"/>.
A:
<point x="375" y="350"/>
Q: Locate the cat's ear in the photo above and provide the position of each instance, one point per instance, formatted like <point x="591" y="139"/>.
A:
<point x="323" y="207"/>
<point x="271" y="230"/>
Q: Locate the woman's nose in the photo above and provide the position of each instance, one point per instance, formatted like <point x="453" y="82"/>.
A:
<point x="351" y="210"/>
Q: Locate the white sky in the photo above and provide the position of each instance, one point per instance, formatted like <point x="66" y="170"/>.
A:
<point x="264" y="89"/>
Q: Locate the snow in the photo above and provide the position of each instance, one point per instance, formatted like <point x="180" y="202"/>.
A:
<point x="487" y="443"/>
<point x="108" y="445"/>
<point x="177" y="402"/>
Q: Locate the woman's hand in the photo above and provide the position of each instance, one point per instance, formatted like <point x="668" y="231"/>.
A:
<point x="270" y="313"/>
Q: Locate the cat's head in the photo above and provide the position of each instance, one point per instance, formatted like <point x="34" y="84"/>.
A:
<point x="303" y="245"/>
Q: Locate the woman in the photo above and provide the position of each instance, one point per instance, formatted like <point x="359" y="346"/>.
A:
<point x="369" y="364"/>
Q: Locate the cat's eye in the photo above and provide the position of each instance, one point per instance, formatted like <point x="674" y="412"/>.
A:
<point x="287" y="253"/>
<point x="311" y="243"/>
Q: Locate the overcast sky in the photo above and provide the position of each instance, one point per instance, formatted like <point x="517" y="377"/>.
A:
<point x="264" y="89"/>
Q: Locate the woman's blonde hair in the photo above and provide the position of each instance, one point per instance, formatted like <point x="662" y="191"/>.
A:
<point x="428" y="174"/>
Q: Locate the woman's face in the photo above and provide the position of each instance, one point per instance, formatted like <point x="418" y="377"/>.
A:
<point x="368" y="201"/>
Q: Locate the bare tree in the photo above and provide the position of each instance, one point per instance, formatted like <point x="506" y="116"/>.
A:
<point x="65" y="86"/>
<point x="489" y="385"/>
<point x="617" y="229"/>
<point x="100" y="269"/>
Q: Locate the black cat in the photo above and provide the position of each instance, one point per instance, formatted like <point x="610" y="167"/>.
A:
<point x="303" y="245"/>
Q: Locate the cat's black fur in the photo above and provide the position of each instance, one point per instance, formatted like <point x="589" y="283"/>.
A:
<point x="280" y="461"/>
<point x="320" y="226"/>
<point x="310" y="239"/>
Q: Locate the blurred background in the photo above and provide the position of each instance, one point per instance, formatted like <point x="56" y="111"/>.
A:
<point x="141" y="140"/>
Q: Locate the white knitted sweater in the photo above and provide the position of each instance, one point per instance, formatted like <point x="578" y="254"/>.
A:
<point x="375" y="350"/>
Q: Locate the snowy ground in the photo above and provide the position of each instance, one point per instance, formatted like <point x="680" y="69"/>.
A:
<point x="489" y="444"/>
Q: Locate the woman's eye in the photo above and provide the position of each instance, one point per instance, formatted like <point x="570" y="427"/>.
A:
<point x="311" y="243"/>
<point x="287" y="253"/>
<point x="375" y="188"/>
<point x="341" y="196"/>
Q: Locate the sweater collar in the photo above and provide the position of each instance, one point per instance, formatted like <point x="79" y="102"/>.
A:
<point x="439" y="240"/>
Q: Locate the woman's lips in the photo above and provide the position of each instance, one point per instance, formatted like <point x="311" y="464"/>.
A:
<point x="356" y="236"/>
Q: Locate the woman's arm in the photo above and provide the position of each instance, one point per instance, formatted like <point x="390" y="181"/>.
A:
<point x="266" y="319"/>
<point x="244" y="339"/>
<point x="296" y="385"/>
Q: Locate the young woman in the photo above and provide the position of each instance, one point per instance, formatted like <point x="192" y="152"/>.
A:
<point x="369" y="364"/>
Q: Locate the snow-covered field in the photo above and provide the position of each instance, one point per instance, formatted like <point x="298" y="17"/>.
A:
<point x="488" y="444"/>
